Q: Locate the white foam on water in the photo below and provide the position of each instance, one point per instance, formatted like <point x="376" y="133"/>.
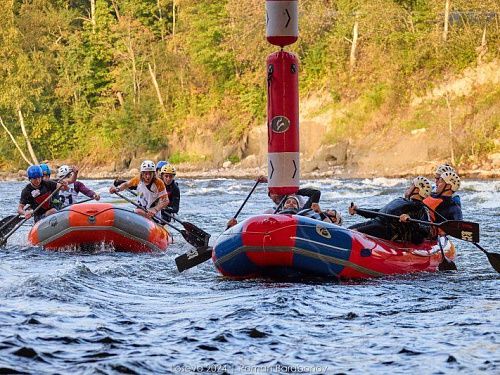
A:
<point x="330" y="195"/>
<point x="484" y="199"/>
<point x="474" y="185"/>
<point x="385" y="182"/>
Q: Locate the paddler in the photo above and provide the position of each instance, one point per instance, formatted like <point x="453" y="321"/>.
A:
<point x="151" y="192"/>
<point x="45" y="171"/>
<point x="442" y="205"/>
<point x="167" y="175"/>
<point x="437" y="175"/>
<point x="36" y="192"/>
<point x="69" y="196"/>
<point x="411" y="206"/>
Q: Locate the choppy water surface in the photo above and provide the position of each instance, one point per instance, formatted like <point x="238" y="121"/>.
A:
<point x="122" y="313"/>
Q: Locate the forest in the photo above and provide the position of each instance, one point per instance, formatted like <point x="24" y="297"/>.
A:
<point x="108" y="80"/>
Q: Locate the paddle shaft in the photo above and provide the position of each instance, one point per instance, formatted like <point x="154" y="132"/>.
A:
<point x="463" y="230"/>
<point x="246" y="199"/>
<point x="163" y="213"/>
<point x="194" y="258"/>
<point x="154" y="218"/>
<point x="361" y="210"/>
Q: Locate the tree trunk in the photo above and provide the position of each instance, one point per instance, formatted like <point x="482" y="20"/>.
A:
<point x="15" y="143"/>
<point x="446" y="16"/>
<point x="28" y="143"/>
<point x="120" y="98"/>
<point x="352" y="58"/>
<point x="174" y="18"/>
<point x="117" y="11"/>
<point x="162" y="30"/>
<point x="157" y="88"/>
<point x="483" y="48"/>
<point x="92" y="14"/>
<point x="450" y="128"/>
<point x="131" y="53"/>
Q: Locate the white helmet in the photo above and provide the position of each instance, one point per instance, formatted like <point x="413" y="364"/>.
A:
<point x="444" y="168"/>
<point x="452" y="179"/>
<point x="148" y="166"/>
<point x="423" y="185"/>
<point x="63" y="171"/>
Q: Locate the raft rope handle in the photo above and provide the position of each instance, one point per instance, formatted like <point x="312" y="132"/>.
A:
<point x="386" y="242"/>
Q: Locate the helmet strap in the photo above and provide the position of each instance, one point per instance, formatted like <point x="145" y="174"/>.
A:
<point x="445" y="190"/>
<point x="413" y="193"/>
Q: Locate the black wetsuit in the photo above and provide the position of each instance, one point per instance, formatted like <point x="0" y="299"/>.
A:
<point x="174" y="197"/>
<point x="394" y="230"/>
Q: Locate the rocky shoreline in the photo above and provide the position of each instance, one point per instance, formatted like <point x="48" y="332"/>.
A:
<point x="229" y="170"/>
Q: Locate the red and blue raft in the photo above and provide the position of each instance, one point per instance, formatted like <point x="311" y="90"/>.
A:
<point x="279" y="246"/>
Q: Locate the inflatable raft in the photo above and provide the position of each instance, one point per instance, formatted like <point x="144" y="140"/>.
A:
<point x="295" y="246"/>
<point x="93" y="225"/>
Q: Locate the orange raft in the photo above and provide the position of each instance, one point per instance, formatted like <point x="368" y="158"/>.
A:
<point x="93" y="225"/>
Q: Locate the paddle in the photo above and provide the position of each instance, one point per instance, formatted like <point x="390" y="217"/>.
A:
<point x="8" y="223"/>
<point x="192" y="234"/>
<point x="463" y="230"/>
<point x="494" y="258"/>
<point x="190" y="227"/>
<point x="446" y="264"/>
<point x="118" y="182"/>
<point x="83" y="201"/>
<point x="195" y="257"/>
<point x="244" y="202"/>
<point x="4" y="238"/>
<point x="246" y="199"/>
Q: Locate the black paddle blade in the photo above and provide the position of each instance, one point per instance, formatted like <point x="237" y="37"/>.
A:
<point x="193" y="231"/>
<point x="463" y="230"/>
<point x="447" y="265"/>
<point x="8" y="223"/>
<point x="194" y="239"/>
<point x="193" y="257"/>
<point x="494" y="259"/>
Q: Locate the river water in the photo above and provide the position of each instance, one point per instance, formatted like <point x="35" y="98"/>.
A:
<point x="121" y="313"/>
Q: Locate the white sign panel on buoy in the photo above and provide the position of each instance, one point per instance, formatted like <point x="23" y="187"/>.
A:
<point x="282" y="22"/>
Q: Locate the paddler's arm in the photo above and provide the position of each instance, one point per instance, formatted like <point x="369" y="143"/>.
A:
<point x="313" y="194"/>
<point x="158" y="205"/>
<point x="121" y="187"/>
<point x="162" y="202"/>
<point x="24" y="212"/>
<point x="74" y="175"/>
<point x="353" y="211"/>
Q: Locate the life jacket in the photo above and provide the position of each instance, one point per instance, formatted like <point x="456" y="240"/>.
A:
<point x="68" y="197"/>
<point x="148" y="194"/>
<point x="433" y="203"/>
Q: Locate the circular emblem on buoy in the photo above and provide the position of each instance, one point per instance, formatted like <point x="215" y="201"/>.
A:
<point x="280" y="124"/>
<point x="323" y="232"/>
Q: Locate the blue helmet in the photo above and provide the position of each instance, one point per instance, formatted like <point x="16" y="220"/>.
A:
<point x="45" y="169"/>
<point x="160" y="164"/>
<point x="34" y="172"/>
